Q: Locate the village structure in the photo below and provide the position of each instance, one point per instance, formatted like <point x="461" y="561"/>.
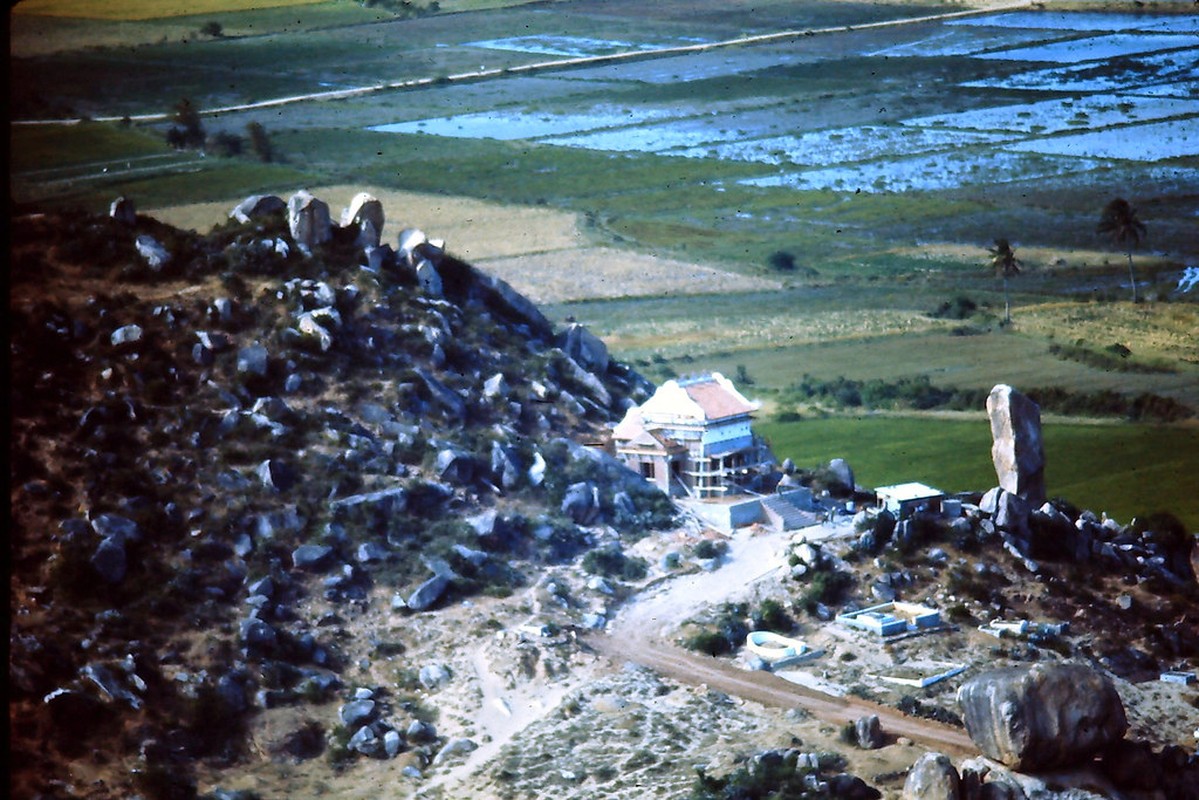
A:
<point x="692" y="438"/>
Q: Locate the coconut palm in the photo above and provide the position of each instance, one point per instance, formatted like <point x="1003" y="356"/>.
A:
<point x="1006" y="265"/>
<point x="1119" y="222"/>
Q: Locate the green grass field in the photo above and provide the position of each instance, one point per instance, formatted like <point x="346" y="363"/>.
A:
<point x="1124" y="470"/>
<point x="146" y="9"/>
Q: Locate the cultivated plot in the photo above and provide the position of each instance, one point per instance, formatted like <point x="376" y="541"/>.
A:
<point x="1052" y="116"/>
<point x="842" y="145"/>
<point x="1096" y="48"/>
<point x="960" y="42"/>
<point x="1144" y="74"/>
<point x="563" y="46"/>
<point x="1137" y="70"/>
<point x="521" y="125"/>
<point x="1153" y="142"/>
<point x="1081" y="21"/>
<point x="936" y="171"/>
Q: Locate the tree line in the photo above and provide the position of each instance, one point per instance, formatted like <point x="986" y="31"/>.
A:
<point x="187" y="133"/>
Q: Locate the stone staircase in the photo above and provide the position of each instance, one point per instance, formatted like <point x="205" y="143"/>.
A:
<point x="783" y="515"/>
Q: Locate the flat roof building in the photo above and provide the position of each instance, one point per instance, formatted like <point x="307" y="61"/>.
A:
<point x="905" y="499"/>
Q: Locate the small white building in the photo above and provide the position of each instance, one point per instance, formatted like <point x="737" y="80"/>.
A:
<point x="905" y="499"/>
<point x="889" y="619"/>
<point x="693" y="437"/>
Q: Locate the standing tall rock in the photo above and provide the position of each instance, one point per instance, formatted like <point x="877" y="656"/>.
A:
<point x="308" y="219"/>
<point x="1017" y="449"/>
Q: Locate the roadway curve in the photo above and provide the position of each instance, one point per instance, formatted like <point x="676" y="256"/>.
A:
<point x="639" y="634"/>
<point x="546" y="66"/>
<point x="771" y="690"/>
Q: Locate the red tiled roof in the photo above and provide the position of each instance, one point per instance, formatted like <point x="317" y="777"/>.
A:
<point x="716" y="401"/>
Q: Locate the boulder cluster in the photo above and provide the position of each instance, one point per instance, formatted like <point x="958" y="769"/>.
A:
<point x="1033" y="529"/>
<point x="1031" y="725"/>
<point x="211" y="432"/>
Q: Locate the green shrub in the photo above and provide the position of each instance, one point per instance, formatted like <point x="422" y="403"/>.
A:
<point x="710" y="548"/>
<point x="960" y="307"/>
<point x="771" y="615"/>
<point x="827" y="588"/>
<point x="782" y="261"/>
<point x="611" y="562"/>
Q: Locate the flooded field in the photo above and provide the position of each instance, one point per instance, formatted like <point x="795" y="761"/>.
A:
<point x="1132" y="81"/>
<point x="936" y="171"/>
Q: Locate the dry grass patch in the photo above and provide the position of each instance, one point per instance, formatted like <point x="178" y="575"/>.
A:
<point x="604" y="273"/>
<point x="1150" y="330"/>
<point x="702" y="334"/>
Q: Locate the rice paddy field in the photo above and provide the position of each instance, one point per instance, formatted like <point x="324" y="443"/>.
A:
<point x="1122" y="470"/>
<point x="786" y="187"/>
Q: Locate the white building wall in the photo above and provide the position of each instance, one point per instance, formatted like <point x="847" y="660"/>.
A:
<point x="727" y="432"/>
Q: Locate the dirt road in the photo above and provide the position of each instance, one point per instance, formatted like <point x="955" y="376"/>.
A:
<point x="771" y="690"/>
<point x="638" y="635"/>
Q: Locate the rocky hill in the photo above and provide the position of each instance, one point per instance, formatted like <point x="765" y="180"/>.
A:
<point x="291" y="506"/>
<point x="221" y="443"/>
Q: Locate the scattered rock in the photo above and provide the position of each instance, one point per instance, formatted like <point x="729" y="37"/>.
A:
<point x="587" y="349"/>
<point x="276" y="474"/>
<point x="932" y="777"/>
<point x="581" y="503"/>
<point x="109" y="560"/>
<point x="429" y="278"/>
<point x="453" y="748"/>
<point x="432" y="676"/>
<point x="868" y="733"/>
<point x="428" y="593"/>
<point x="253" y="360"/>
<point x="357" y="712"/>
<point x="152" y="252"/>
<point x="315" y="557"/>
<point x="126" y="334"/>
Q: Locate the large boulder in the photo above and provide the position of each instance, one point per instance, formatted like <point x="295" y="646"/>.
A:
<point x="428" y="593"/>
<point x="839" y="468"/>
<point x="932" y="777"/>
<point x="110" y="561"/>
<point x="1017" y="448"/>
<point x="587" y="349"/>
<point x="869" y="733"/>
<point x="257" y="206"/>
<point x="365" y="207"/>
<point x="581" y="503"/>
<point x="123" y="211"/>
<point x="308" y="219"/>
<point x="152" y="251"/>
<point x="1052" y="715"/>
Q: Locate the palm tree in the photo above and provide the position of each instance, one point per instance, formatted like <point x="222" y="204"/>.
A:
<point x="1006" y="265"/>
<point x="1119" y="222"/>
